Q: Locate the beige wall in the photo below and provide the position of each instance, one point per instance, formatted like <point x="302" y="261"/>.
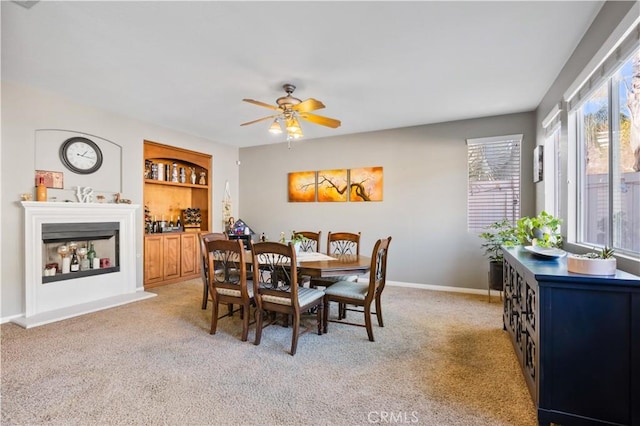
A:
<point x="25" y="110"/>
<point x="425" y="194"/>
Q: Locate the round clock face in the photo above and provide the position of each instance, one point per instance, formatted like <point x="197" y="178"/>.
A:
<point x="81" y="155"/>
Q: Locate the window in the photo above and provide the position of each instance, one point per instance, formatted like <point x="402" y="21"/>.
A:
<point x="608" y="159"/>
<point x="494" y="180"/>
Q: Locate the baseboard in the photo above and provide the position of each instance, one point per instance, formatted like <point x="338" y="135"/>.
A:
<point x="438" y="287"/>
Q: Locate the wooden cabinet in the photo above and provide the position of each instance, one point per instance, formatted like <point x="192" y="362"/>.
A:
<point x="577" y="338"/>
<point x="174" y="256"/>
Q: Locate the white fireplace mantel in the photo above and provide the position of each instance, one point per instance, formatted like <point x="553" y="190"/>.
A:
<point x="54" y="301"/>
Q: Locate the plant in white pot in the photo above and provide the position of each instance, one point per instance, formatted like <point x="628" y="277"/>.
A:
<point x="600" y="263"/>
<point x="542" y="230"/>
<point x="498" y="234"/>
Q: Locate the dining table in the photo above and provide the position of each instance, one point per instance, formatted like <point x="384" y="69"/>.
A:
<point x="319" y="265"/>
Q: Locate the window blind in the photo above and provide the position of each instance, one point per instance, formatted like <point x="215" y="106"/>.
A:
<point x="494" y="180"/>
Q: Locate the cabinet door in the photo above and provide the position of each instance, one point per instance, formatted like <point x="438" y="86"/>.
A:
<point x="153" y="259"/>
<point x="190" y="263"/>
<point x="171" y="249"/>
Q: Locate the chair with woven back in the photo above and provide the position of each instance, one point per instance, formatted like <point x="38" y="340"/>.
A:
<point x="228" y="281"/>
<point x="361" y="294"/>
<point x="276" y="289"/>
<point x="205" y="239"/>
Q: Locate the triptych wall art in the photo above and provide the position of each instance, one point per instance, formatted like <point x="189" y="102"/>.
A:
<point x="355" y="185"/>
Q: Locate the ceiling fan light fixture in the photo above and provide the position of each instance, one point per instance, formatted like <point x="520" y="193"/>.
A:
<point x="275" y="128"/>
<point x="296" y="134"/>
<point x="293" y="125"/>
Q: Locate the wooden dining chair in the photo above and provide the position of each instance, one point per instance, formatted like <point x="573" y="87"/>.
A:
<point x="276" y="290"/>
<point x="228" y="281"/>
<point x="312" y="242"/>
<point x="205" y="239"/>
<point x="361" y="294"/>
<point x="339" y="243"/>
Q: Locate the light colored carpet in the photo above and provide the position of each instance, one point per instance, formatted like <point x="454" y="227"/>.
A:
<point x="441" y="359"/>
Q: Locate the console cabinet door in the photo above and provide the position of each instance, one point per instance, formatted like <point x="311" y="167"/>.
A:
<point x="190" y="262"/>
<point x="171" y="249"/>
<point x="153" y="259"/>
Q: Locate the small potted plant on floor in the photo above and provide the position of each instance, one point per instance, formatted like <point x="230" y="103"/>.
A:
<point x="498" y="234"/>
<point x="594" y="263"/>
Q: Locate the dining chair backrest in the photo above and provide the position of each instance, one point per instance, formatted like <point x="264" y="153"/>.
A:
<point x="274" y="280"/>
<point x="312" y="242"/>
<point x="378" y="271"/>
<point x="226" y="258"/>
<point x="205" y="239"/>
<point x="343" y="243"/>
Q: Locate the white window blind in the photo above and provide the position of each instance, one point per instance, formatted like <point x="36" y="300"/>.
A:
<point x="494" y="180"/>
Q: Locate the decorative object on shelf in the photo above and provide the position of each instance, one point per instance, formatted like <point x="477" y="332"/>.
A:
<point x="497" y="234"/>
<point x="226" y="205"/>
<point x="601" y="263"/>
<point x="174" y="172"/>
<point x="191" y="218"/>
<point x="203" y="178"/>
<point x="81" y="155"/>
<point x="183" y="175"/>
<point x="84" y="195"/>
<point x="119" y="200"/>
<point x="26" y="196"/>
<point x="41" y="191"/>
<point x="193" y="175"/>
<point x="51" y="179"/>
<point x="542" y="230"/>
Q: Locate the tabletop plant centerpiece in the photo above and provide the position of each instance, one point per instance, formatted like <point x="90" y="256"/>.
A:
<point x="296" y="239"/>
<point x="498" y="234"/>
<point x="542" y="231"/>
<point x="594" y="263"/>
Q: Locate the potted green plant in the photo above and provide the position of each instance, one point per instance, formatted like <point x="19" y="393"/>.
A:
<point x="498" y="234"/>
<point x="296" y="239"/>
<point x="542" y="230"/>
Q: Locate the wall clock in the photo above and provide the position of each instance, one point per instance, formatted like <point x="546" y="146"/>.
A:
<point x="81" y="155"/>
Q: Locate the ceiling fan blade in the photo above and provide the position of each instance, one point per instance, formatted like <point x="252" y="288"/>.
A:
<point x="318" y="119"/>
<point x="259" y="119"/>
<point x="262" y="104"/>
<point x="308" y="105"/>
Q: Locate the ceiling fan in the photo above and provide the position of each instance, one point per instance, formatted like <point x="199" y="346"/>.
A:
<point x="289" y="109"/>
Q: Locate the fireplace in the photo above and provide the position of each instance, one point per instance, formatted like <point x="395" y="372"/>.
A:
<point x="53" y="297"/>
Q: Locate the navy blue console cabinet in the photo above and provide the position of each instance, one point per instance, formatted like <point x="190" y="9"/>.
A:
<point x="577" y="338"/>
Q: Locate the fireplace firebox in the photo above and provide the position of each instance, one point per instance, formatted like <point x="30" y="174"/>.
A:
<point x="105" y="236"/>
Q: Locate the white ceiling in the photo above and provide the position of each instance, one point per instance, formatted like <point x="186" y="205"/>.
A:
<point x="375" y="65"/>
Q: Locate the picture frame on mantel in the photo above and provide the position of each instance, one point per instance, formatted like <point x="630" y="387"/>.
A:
<point x="538" y="163"/>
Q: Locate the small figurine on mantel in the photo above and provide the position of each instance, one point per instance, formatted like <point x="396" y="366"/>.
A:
<point x="203" y="178"/>
<point x="193" y="175"/>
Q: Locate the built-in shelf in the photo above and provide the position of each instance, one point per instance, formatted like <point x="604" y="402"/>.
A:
<point x="182" y="185"/>
<point x="79" y="274"/>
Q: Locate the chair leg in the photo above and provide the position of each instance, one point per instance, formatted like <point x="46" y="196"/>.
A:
<point x="205" y="295"/>
<point x="367" y="321"/>
<point x="294" y="337"/>
<point x="245" y="322"/>
<point x="379" y="311"/>
<point x="258" y="326"/>
<point x="320" y="313"/>
<point x="325" y="314"/>
<point x="214" y="317"/>
<point x="342" y="311"/>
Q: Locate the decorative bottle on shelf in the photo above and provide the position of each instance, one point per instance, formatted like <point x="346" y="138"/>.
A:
<point x="91" y="254"/>
<point x="41" y="191"/>
<point x="75" y="263"/>
<point x="174" y="173"/>
<point x="178" y="223"/>
<point x="171" y="222"/>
